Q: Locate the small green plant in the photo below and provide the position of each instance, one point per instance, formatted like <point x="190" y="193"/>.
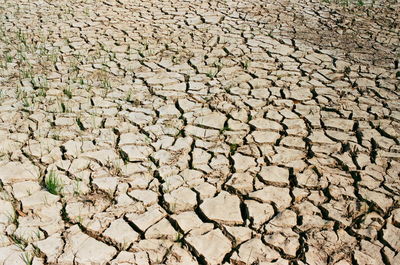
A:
<point x="211" y="74"/>
<point x="41" y="92"/>
<point x="226" y="128"/>
<point x="22" y="37"/>
<point x="38" y="234"/>
<point x="245" y="64"/>
<point x="79" y="219"/>
<point x="27" y="258"/>
<point x="64" y="108"/>
<point x="27" y="73"/>
<point x="81" y="81"/>
<point x="52" y="57"/>
<point x="179" y="238"/>
<point x="53" y="183"/>
<point x="129" y="96"/>
<point x="26" y="103"/>
<point x="105" y="83"/>
<point x="233" y="148"/>
<point x="77" y="188"/>
<point x="8" y="58"/>
<point x="20" y="242"/>
<point x="68" y="92"/>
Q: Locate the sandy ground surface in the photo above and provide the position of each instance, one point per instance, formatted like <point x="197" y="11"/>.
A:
<point x="199" y="132"/>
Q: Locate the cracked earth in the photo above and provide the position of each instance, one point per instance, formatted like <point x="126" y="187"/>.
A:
<point x="199" y="132"/>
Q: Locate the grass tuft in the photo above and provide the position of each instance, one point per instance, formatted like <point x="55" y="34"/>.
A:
<point x="27" y="258"/>
<point x="53" y="183"/>
<point x="68" y="92"/>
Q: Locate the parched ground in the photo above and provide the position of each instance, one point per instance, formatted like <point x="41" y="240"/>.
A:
<point x="199" y="132"/>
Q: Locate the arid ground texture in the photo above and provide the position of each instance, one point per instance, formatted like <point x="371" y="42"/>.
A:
<point x="199" y="132"/>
